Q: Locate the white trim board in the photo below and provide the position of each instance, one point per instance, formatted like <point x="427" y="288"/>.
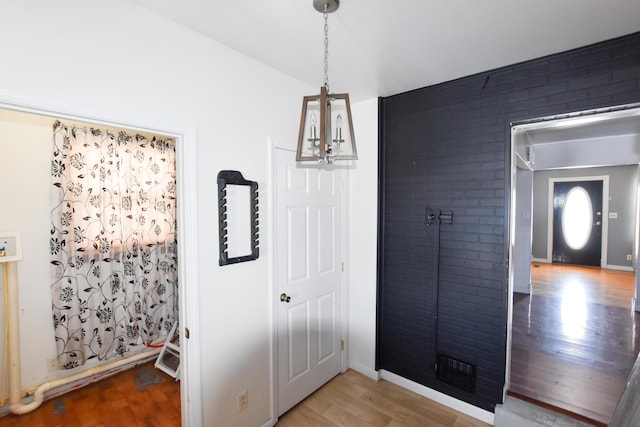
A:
<point x="619" y="267"/>
<point x="367" y="372"/>
<point x="607" y="267"/>
<point x="436" y="396"/>
<point x="543" y="260"/>
<point x="273" y="344"/>
<point x="186" y="162"/>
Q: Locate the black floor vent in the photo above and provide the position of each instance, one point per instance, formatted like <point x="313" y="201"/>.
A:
<point x="457" y="373"/>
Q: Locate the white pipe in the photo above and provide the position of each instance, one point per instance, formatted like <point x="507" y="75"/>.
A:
<point x="5" y="337"/>
<point x="38" y="396"/>
<point x="15" y="402"/>
<point x="12" y="308"/>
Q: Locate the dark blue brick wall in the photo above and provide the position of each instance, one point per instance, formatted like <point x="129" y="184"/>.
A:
<point x="447" y="147"/>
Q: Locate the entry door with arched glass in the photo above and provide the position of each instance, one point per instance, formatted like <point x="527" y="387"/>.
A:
<point x="577" y="222"/>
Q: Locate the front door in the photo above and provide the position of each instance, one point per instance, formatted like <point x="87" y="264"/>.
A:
<point x="577" y="222"/>
<point x="308" y="278"/>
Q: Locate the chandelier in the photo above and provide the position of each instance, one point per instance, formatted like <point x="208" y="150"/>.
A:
<point x="326" y="127"/>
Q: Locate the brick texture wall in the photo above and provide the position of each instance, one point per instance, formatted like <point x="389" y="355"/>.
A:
<point x="446" y="147"/>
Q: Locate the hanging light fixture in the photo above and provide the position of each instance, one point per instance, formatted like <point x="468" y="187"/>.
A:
<point x="326" y="127"/>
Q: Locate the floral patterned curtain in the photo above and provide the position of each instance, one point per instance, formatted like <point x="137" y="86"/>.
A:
<point x="113" y="242"/>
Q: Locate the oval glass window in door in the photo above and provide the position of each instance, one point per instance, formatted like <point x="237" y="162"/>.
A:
<point x="577" y="218"/>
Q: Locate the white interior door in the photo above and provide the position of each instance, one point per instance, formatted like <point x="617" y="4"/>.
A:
<point x="308" y="275"/>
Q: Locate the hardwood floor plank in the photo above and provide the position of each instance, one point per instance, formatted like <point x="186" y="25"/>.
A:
<point x="344" y="418"/>
<point x="139" y="397"/>
<point x="574" y="339"/>
<point x="342" y="406"/>
<point x="303" y="416"/>
<point x="401" y="397"/>
<point x="400" y="414"/>
<point x="351" y="399"/>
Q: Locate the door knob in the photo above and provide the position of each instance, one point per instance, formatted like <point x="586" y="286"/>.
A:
<point x="285" y="298"/>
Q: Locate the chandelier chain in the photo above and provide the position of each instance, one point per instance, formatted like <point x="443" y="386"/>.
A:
<point x="326" y="49"/>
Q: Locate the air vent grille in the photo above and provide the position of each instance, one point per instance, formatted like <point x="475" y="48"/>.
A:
<point x="456" y="373"/>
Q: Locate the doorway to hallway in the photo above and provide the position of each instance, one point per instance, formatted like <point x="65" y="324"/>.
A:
<point x="551" y="328"/>
<point x="575" y="339"/>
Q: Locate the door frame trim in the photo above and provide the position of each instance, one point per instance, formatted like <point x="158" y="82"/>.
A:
<point x="605" y="214"/>
<point x="186" y="173"/>
<point x="514" y="141"/>
<point x="272" y="197"/>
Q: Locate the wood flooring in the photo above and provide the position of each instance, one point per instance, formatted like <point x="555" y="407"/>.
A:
<point x="140" y="397"/>
<point x="575" y="339"/>
<point x="354" y="400"/>
<point x="145" y="396"/>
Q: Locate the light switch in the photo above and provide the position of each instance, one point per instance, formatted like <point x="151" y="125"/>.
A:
<point x="613" y="215"/>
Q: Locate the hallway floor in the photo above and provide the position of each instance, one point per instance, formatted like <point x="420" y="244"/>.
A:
<point x="575" y="339"/>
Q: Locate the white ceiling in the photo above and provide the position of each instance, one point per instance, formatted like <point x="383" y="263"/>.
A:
<point x="381" y="48"/>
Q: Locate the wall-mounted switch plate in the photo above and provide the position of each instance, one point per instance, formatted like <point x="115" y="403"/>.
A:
<point x="613" y="215"/>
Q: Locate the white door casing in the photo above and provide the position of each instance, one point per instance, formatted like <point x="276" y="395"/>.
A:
<point x="186" y="173"/>
<point x="308" y="285"/>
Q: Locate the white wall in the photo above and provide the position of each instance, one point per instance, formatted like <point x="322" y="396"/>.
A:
<point x="25" y="194"/>
<point x="363" y="240"/>
<point x="114" y="56"/>
<point x="523" y="231"/>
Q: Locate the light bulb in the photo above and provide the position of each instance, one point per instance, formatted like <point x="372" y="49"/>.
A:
<point x="339" y="128"/>
<point x="313" y="126"/>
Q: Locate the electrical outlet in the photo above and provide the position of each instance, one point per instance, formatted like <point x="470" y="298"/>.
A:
<point x="243" y="400"/>
<point x="629" y="257"/>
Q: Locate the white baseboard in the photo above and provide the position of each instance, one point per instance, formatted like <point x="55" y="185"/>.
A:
<point x="523" y="290"/>
<point x="619" y="267"/>
<point x="364" y="370"/>
<point x="608" y="266"/>
<point x="545" y="260"/>
<point x="436" y="396"/>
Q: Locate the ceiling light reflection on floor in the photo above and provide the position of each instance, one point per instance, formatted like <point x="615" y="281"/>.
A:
<point x="574" y="311"/>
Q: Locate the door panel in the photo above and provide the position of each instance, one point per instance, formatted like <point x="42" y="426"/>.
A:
<point x="577" y="212"/>
<point x="326" y="243"/>
<point x="326" y="330"/>
<point x="308" y="277"/>
<point x="297" y="245"/>
<point x="298" y="340"/>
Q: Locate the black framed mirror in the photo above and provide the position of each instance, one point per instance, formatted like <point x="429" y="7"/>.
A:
<point x="237" y="218"/>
